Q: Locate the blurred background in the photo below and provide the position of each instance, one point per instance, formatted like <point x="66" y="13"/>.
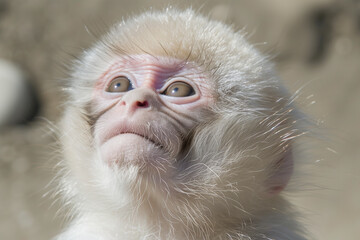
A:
<point x="314" y="43"/>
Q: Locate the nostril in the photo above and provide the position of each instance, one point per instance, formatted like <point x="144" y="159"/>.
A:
<point x="142" y="103"/>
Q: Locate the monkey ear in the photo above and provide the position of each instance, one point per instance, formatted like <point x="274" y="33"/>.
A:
<point x="281" y="172"/>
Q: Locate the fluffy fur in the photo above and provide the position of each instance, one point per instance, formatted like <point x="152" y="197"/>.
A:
<point x="238" y="160"/>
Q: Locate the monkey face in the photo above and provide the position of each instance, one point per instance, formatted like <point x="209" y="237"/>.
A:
<point x="202" y="111"/>
<point x="177" y="128"/>
<point x="146" y="107"/>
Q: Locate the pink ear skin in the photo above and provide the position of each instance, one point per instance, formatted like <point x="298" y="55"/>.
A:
<point x="282" y="171"/>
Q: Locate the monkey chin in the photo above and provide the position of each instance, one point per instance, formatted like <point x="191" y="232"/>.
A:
<point x="129" y="149"/>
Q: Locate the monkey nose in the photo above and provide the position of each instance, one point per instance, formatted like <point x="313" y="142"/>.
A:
<point x="142" y="104"/>
<point x="137" y="99"/>
<point x="132" y="106"/>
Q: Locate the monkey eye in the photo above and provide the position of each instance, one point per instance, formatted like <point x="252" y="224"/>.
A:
<point x="179" y="89"/>
<point x="119" y="84"/>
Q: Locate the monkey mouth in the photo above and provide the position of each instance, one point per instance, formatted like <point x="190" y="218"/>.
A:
<point x="148" y="138"/>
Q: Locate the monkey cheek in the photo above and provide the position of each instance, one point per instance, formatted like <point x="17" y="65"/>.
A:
<point x="131" y="149"/>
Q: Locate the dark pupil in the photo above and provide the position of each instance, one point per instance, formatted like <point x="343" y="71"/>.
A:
<point x="117" y="85"/>
<point x="175" y="90"/>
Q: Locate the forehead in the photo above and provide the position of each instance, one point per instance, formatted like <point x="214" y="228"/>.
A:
<point x="160" y="66"/>
<point x="169" y="64"/>
<point x="156" y="70"/>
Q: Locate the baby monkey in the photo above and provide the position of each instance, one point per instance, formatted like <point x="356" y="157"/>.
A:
<point x="177" y="128"/>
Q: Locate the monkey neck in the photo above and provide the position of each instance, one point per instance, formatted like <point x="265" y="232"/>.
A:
<point x="192" y="219"/>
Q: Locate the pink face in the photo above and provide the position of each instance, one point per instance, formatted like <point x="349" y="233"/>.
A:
<point x="145" y="108"/>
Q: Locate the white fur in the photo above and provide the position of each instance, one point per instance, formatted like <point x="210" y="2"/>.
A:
<point x="223" y="193"/>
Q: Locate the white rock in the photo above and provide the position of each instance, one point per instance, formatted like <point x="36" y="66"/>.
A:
<point x="16" y="100"/>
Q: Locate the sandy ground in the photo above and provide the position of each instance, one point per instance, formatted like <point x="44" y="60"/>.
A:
<point x="315" y="43"/>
